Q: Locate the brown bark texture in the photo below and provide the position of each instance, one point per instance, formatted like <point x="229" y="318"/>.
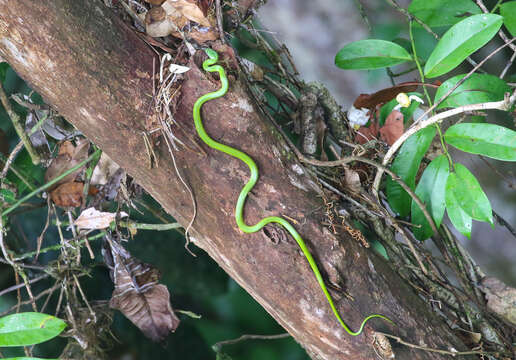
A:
<point x="97" y="73"/>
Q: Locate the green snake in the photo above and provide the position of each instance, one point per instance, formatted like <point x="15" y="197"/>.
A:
<point x="209" y="65"/>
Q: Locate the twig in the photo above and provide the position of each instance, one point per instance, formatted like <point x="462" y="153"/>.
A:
<point x="40" y="295"/>
<point x="439" y="351"/>
<point x="15" y="118"/>
<point x="382" y="168"/>
<point x="500" y="220"/>
<point x="218" y="10"/>
<point x="508" y="65"/>
<point x="217" y="346"/>
<point x="57" y="246"/>
<point x="18" y="286"/>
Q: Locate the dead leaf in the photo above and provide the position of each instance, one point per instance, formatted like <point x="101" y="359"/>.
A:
<point x="365" y="134"/>
<point x="68" y="156"/>
<point x="202" y="35"/>
<point x="91" y="218"/>
<point x="369" y="101"/>
<point x="138" y="295"/>
<point x="67" y="195"/>
<point x="191" y="11"/>
<point x="393" y="127"/>
<point x="383" y="346"/>
<point x="70" y="194"/>
<point x="104" y="170"/>
<point x="352" y="180"/>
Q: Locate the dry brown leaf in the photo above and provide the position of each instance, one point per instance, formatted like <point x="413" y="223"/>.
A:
<point x="67" y="195"/>
<point x="204" y="34"/>
<point x="68" y="156"/>
<point x="352" y="180"/>
<point x="365" y="134"/>
<point x="70" y="194"/>
<point x="369" y="101"/>
<point x="138" y="295"/>
<point x="393" y="127"/>
<point x="191" y="11"/>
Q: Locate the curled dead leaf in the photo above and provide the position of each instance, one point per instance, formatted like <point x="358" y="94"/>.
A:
<point x="68" y="156"/>
<point x="369" y="101"/>
<point x="393" y="127"/>
<point x="91" y="218"/>
<point x="138" y="295"/>
<point x="70" y="194"/>
<point x="67" y="195"/>
<point x="191" y="11"/>
<point x="172" y="16"/>
<point x="352" y="180"/>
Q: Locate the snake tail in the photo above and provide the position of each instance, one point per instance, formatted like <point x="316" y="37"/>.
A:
<point x="210" y="66"/>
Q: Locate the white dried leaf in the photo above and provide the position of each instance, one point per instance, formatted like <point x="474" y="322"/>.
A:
<point x="91" y="218"/>
<point x="178" y="69"/>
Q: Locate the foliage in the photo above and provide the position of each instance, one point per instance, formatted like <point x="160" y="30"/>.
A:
<point x="29" y="328"/>
<point x="444" y="184"/>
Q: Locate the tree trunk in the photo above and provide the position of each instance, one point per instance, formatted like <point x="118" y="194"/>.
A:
<point x="97" y="72"/>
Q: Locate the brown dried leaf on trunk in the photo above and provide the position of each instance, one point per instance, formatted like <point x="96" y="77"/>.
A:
<point x="68" y="156"/>
<point x="138" y="294"/>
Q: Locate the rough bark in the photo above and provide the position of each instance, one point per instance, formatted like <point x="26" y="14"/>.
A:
<point x="97" y="73"/>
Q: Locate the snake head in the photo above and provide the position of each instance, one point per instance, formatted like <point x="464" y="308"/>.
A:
<point x="212" y="54"/>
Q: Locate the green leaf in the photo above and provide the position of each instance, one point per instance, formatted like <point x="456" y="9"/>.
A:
<point x="508" y="11"/>
<point x="7" y="196"/>
<point x="405" y="166"/>
<point x="3" y="70"/>
<point x="387" y="108"/>
<point x="29" y="328"/>
<point x="437" y="13"/>
<point x="458" y="217"/>
<point x="490" y="140"/>
<point x="431" y="191"/>
<point x="460" y="41"/>
<point x="370" y="54"/>
<point x="470" y="196"/>
<point x="478" y="88"/>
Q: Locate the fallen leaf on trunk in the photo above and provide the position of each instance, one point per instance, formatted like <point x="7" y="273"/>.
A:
<point x="138" y="294"/>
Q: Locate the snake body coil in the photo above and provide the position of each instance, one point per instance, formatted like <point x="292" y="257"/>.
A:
<point x="209" y="65"/>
